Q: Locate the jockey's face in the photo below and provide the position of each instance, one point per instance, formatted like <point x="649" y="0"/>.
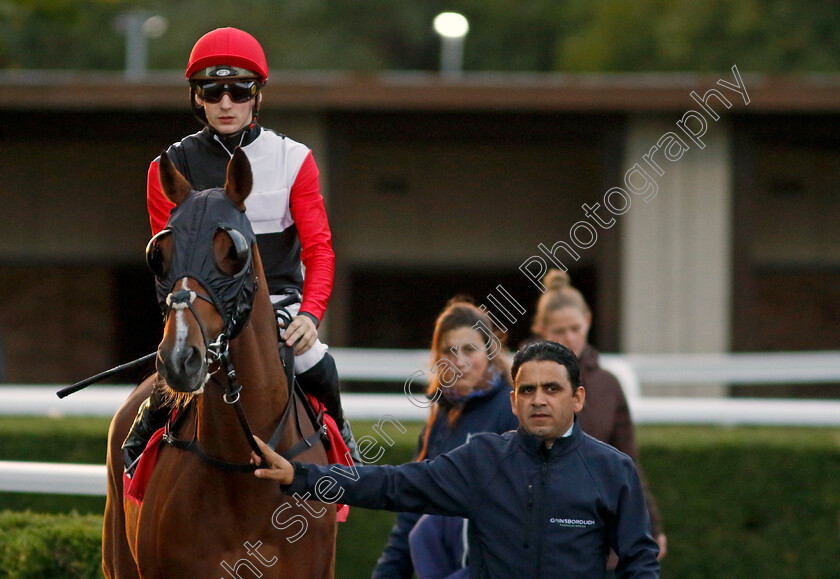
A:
<point x="226" y="116"/>
<point x="471" y="362"/>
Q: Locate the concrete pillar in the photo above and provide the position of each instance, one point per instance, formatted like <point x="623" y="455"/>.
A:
<point x="676" y="263"/>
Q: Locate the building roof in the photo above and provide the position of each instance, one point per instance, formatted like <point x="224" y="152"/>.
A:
<point x="419" y="91"/>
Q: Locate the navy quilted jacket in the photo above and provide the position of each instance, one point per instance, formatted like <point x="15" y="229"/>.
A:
<point x="488" y="413"/>
<point x="533" y="512"/>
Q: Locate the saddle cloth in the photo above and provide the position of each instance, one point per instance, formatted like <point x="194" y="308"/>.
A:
<point x="134" y="488"/>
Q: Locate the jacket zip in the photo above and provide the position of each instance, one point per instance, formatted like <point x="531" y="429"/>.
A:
<point x="529" y="534"/>
<point x="541" y="514"/>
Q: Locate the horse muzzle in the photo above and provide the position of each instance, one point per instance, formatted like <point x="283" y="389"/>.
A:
<point x="184" y="369"/>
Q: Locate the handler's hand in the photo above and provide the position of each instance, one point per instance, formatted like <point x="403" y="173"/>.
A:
<point x="663" y="544"/>
<point x="279" y="469"/>
<point x="301" y="334"/>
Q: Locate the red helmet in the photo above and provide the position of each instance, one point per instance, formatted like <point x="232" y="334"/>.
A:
<point x="231" y="47"/>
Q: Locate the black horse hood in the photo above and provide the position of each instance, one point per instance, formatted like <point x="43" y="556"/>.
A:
<point x="193" y="224"/>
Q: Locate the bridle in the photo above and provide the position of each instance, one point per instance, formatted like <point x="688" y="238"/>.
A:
<point x="233" y="301"/>
<point x="219" y="352"/>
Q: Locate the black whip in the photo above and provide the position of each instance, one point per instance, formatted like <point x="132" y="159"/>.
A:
<point x="64" y="392"/>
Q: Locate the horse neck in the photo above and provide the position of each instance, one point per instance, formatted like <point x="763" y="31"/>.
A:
<point x="264" y="394"/>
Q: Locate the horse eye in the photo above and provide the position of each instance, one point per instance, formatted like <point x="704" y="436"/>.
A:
<point x="155" y="253"/>
<point x="232" y="254"/>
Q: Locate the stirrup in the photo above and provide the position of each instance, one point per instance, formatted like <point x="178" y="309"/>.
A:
<point x="129" y="470"/>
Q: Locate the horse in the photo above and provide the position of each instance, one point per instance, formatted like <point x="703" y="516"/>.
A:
<point x="198" y="519"/>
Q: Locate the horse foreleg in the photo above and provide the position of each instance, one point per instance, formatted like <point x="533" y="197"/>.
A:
<point x="117" y="559"/>
<point x="329" y="572"/>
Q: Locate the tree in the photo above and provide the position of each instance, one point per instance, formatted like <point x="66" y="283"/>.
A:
<point x="372" y="35"/>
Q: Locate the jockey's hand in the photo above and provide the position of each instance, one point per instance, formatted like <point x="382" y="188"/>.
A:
<point x="279" y="468"/>
<point x="301" y="334"/>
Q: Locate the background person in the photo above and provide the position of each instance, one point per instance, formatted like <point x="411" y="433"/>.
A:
<point x="546" y="500"/>
<point x="564" y="317"/>
<point x="477" y="402"/>
<point x="439" y="547"/>
<point x="227" y="70"/>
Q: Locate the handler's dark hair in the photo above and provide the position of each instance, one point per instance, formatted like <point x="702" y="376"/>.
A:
<point x="548" y="351"/>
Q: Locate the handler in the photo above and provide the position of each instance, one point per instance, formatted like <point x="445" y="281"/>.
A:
<point x="564" y="316"/>
<point x="226" y="71"/>
<point x="546" y="500"/>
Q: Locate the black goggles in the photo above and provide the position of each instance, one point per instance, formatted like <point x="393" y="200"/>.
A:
<point x="240" y="92"/>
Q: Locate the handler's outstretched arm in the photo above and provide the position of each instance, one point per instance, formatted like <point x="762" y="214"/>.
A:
<point x="443" y="486"/>
<point x="279" y="468"/>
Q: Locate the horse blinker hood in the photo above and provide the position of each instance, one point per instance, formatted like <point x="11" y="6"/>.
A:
<point x="193" y="225"/>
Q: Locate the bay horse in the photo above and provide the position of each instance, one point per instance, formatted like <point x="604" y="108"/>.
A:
<point x="197" y="519"/>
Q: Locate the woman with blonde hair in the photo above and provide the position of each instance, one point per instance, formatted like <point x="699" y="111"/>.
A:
<point x="471" y="393"/>
<point x="564" y="316"/>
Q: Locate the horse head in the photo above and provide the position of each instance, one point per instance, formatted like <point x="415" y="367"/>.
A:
<point x="204" y="272"/>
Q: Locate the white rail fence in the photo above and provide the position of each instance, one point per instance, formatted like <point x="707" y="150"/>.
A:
<point x="398" y="365"/>
<point x="53" y="478"/>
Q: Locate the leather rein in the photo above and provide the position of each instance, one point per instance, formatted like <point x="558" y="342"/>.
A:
<point x="219" y="351"/>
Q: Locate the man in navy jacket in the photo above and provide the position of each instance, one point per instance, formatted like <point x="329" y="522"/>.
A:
<point x="546" y="500"/>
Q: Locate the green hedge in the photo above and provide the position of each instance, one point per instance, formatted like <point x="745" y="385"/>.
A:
<point x="737" y="502"/>
<point x="38" y="546"/>
<point x="746" y="502"/>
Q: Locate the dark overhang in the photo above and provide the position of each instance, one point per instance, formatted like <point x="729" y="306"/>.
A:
<point x="420" y="91"/>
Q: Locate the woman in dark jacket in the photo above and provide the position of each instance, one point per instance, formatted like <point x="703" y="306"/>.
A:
<point x="469" y="383"/>
<point x="564" y="316"/>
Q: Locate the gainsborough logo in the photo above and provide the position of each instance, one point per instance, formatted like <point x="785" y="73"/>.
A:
<point x="572" y="522"/>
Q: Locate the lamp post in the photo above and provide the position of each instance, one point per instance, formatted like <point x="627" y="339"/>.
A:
<point x="138" y="26"/>
<point x="452" y="28"/>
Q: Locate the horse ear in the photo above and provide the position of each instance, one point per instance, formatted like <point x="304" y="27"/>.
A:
<point x="239" y="178"/>
<point x="175" y="186"/>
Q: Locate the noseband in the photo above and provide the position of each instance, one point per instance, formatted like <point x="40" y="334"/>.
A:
<point x="183" y="300"/>
<point x="214" y="351"/>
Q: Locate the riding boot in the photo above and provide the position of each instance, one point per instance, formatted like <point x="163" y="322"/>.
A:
<point x="321" y="380"/>
<point x="151" y="416"/>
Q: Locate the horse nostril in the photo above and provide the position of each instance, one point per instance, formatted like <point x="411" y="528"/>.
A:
<point x="193" y="361"/>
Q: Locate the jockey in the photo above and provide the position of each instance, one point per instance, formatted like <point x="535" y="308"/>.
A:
<point x="226" y="70"/>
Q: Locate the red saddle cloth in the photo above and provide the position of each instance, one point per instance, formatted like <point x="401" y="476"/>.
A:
<point x="135" y="487"/>
<point x="338" y="452"/>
